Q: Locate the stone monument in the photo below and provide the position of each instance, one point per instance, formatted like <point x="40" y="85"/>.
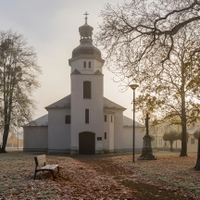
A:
<point x="147" y="150"/>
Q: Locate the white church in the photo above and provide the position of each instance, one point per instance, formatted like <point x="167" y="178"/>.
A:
<point x="84" y="122"/>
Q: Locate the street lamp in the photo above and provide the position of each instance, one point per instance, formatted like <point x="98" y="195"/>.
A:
<point x="133" y="87"/>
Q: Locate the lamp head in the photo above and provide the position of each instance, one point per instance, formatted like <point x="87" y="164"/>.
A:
<point x="133" y="86"/>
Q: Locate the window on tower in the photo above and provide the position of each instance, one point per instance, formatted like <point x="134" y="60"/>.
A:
<point x="87" y="116"/>
<point x="84" y="64"/>
<point x="87" y="90"/>
<point x="89" y="64"/>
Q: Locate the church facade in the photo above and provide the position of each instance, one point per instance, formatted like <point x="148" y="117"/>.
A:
<point x="84" y="122"/>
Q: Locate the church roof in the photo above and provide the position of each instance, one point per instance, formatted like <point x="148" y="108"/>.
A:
<point x="97" y="72"/>
<point x="110" y="104"/>
<point x="86" y="49"/>
<point x="66" y="103"/>
<point x="42" y="121"/>
<point x="129" y="122"/>
<point x="76" y="72"/>
<point x="62" y="103"/>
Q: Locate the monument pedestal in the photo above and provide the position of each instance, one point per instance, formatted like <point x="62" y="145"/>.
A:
<point x="147" y="153"/>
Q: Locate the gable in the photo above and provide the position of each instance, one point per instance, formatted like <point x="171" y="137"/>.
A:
<point x="98" y="73"/>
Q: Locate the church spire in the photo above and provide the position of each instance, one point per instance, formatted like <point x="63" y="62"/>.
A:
<point x="86" y="31"/>
<point x="86" y="14"/>
<point x="86" y="48"/>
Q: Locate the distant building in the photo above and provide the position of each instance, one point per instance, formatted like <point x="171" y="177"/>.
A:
<point x="84" y="122"/>
<point x="15" y="141"/>
<point x="158" y="131"/>
<point x="192" y="145"/>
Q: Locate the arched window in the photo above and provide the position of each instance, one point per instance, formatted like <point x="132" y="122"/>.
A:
<point x="87" y="90"/>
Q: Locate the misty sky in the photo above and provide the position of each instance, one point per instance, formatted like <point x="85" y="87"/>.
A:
<point x="51" y="27"/>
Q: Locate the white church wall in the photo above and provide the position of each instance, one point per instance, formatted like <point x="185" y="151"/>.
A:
<point x="97" y="109"/>
<point x="35" y="138"/>
<point x="128" y="138"/>
<point x="118" y="132"/>
<point x="59" y="131"/>
<point x="79" y="65"/>
<point x="97" y="65"/>
<point x="111" y="133"/>
<point x="106" y="131"/>
<point x="95" y="106"/>
<point x="109" y="130"/>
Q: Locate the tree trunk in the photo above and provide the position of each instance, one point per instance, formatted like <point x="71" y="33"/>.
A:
<point x="197" y="166"/>
<point x="171" y="146"/>
<point x="183" y="117"/>
<point x="8" y="99"/>
<point x="184" y="138"/>
<point x="5" y="138"/>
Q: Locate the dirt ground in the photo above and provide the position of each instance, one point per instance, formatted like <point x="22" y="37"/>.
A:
<point x="142" y="185"/>
<point x="100" y="177"/>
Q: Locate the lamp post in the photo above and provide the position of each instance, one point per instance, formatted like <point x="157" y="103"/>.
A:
<point x="133" y="87"/>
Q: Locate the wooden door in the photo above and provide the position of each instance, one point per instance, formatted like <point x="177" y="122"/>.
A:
<point x="86" y="143"/>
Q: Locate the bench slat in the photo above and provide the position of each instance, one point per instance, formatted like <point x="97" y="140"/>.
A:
<point x="49" y="167"/>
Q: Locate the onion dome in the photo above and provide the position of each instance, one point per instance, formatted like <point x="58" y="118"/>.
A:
<point x="86" y="47"/>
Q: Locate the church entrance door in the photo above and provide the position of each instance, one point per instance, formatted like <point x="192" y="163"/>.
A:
<point x="86" y="143"/>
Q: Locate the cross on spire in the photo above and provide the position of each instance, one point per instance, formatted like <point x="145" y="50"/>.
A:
<point x="86" y="14"/>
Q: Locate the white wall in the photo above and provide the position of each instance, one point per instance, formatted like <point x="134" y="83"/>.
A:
<point x="109" y="129"/>
<point x="35" y="138"/>
<point x="118" y="132"/>
<point x="192" y="147"/>
<point x="111" y="133"/>
<point x="78" y="106"/>
<point x="128" y="138"/>
<point x="59" y="132"/>
<point x="78" y="64"/>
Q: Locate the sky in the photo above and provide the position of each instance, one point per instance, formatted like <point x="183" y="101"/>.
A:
<point x="51" y="28"/>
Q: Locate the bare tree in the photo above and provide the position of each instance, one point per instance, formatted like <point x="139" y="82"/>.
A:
<point x="137" y="28"/>
<point x="157" y="45"/>
<point x="18" y="79"/>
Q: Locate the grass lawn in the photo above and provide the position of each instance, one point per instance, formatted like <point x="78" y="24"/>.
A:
<point x="108" y="176"/>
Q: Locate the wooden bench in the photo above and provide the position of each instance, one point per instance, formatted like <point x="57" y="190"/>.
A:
<point x="40" y="162"/>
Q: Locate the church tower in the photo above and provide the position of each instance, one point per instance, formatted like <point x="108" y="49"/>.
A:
<point x="86" y="95"/>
